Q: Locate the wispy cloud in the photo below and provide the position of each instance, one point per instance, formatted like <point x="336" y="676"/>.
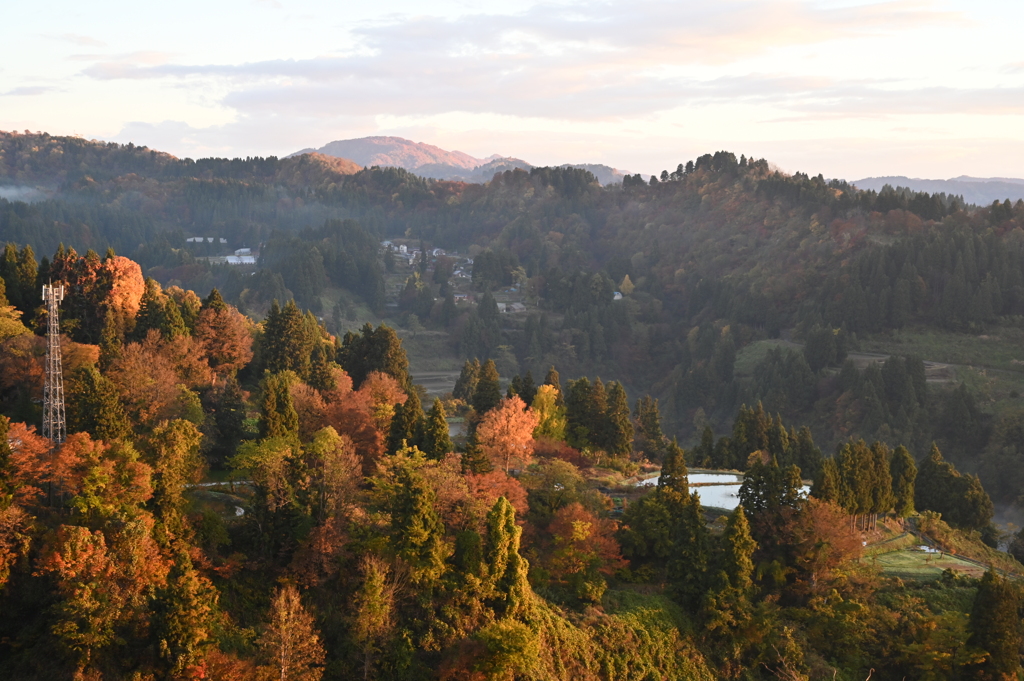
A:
<point x="558" y="61"/>
<point x="77" y="39"/>
<point x="28" y="91"/>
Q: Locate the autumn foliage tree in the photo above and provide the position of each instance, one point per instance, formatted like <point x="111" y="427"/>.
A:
<point x="505" y="434"/>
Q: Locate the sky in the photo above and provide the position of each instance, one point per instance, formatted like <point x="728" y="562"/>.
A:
<point x="922" y="88"/>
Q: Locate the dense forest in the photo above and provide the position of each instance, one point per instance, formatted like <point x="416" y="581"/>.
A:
<point x="253" y="485"/>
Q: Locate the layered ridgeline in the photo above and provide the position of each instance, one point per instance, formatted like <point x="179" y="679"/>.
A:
<point x="738" y="283"/>
<point x="270" y="494"/>
<point x="426" y="160"/>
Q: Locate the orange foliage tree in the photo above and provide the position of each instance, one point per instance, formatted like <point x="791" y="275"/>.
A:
<point x="226" y="339"/>
<point x="505" y="434"/>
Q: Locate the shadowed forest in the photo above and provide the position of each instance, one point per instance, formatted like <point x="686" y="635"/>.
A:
<point x="254" y="486"/>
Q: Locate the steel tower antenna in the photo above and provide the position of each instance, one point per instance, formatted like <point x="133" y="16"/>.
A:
<point x="54" y="424"/>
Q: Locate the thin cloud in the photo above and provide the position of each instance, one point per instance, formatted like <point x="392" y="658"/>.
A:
<point x="556" y="61"/>
<point x="83" y="40"/>
<point x="28" y="91"/>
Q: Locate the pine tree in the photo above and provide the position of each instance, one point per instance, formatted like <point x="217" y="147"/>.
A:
<point x="436" y="441"/>
<point x="738" y="551"/>
<point x="554" y="380"/>
<point x="507" y="570"/>
<point x="214" y="301"/>
<point x="487" y="394"/>
<point x="620" y="425"/>
<point x="465" y="385"/>
<point x="474" y="460"/>
<point x="321" y="375"/>
<point x="186" y="612"/>
<point x="995" y="628"/>
<point x="674" y="474"/>
<point x="173" y="324"/>
<point x="96" y="408"/>
<point x="649" y="438"/>
<point x="151" y="311"/>
<point x="596" y="415"/>
<point x="278" y="417"/>
<point x="417" y="531"/>
<point x="111" y="338"/>
<point x="407" y="425"/>
<point x="827" y="483"/>
<point x="903" y="471"/>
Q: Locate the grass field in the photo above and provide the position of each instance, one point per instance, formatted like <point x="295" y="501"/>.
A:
<point x="918" y="565"/>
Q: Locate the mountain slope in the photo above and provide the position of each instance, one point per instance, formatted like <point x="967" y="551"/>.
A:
<point x="426" y="160"/>
<point x="395" y="151"/>
<point x="977" y="190"/>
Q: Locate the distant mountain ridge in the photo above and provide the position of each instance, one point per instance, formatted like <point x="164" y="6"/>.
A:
<point x="427" y="160"/>
<point x="981" y="191"/>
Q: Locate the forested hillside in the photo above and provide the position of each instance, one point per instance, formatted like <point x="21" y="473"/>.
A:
<point x="254" y="486"/>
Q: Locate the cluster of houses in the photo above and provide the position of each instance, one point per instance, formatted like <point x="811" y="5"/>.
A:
<point x="241" y="256"/>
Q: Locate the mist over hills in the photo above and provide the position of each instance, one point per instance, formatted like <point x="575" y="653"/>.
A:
<point x="427" y="160"/>
<point x="981" y="191"/>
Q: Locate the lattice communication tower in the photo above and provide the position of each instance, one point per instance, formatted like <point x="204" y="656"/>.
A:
<point x="54" y="424"/>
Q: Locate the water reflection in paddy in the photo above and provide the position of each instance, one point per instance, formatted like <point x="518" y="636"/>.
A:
<point x="720" y="490"/>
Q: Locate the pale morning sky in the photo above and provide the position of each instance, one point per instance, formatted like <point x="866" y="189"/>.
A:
<point x="849" y="89"/>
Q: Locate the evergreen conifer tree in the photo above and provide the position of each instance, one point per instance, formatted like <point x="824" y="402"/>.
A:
<point x="554" y="380"/>
<point x="650" y="440"/>
<point x="278" y="417"/>
<point x="487" y="394"/>
<point x="506" y="568"/>
<point x="465" y="385"/>
<point x="96" y="407"/>
<point x="474" y="460"/>
<point x="416" y="528"/>
<point x="903" y="471"/>
<point x="996" y="628"/>
<point x="620" y="425"/>
<point x="407" y="425"/>
<point x="151" y="311"/>
<point x="111" y="338"/>
<point x="321" y="375"/>
<point x="173" y="324"/>
<point x="436" y="441"/>
<point x="214" y="301"/>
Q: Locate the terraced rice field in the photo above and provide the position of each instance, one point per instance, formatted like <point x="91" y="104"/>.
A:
<point x="918" y="565"/>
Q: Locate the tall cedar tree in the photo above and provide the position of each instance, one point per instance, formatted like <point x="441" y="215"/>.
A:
<point x="507" y="570"/>
<point x="649" y="438"/>
<point x="377" y="349"/>
<point x="407" y="425"/>
<point x="151" y="311"/>
<point x="436" y="441"/>
<point x="996" y="628"/>
<point x="185" y="618"/>
<point x="96" y="407"/>
<point x="620" y="425"/>
<point x="278" y="417"/>
<point x="284" y="346"/>
<point x="465" y="385"/>
<point x="555" y="381"/>
<point x="488" y="389"/>
<point x="903" y="471"/>
<point x="417" y="531"/>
